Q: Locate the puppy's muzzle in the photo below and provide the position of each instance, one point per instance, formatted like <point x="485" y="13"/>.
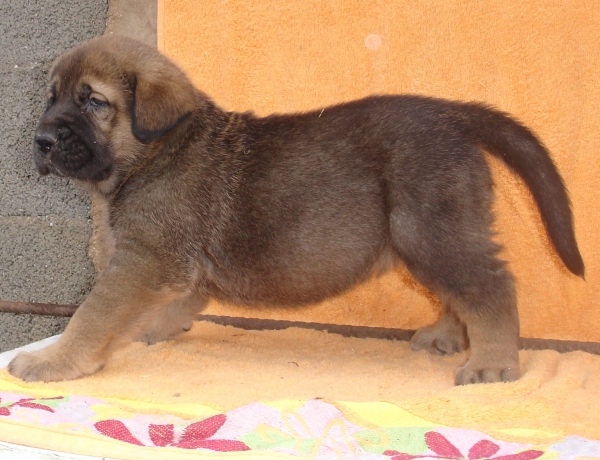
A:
<point x="61" y="153"/>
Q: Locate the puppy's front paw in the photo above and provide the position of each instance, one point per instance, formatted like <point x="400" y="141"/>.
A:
<point x="161" y="333"/>
<point x="171" y="321"/>
<point x="469" y="373"/>
<point x="49" y="365"/>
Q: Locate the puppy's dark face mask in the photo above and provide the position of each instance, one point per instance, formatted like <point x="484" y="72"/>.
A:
<point x="104" y="108"/>
<point x="68" y="140"/>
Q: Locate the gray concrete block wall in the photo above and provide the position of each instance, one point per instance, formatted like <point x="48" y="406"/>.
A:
<point x="44" y="221"/>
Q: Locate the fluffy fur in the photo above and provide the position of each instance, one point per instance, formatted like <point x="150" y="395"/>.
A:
<point x="193" y="202"/>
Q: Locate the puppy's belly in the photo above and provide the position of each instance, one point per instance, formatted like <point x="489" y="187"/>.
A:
<point x="331" y="241"/>
<point x="285" y="291"/>
<point x="300" y="280"/>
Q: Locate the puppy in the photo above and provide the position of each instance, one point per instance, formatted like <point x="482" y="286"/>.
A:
<point x="193" y="202"/>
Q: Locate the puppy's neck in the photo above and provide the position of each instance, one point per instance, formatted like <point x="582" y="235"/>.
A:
<point x="101" y="189"/>
<point x="124" y="167"/>
<point x="106" y="189"/>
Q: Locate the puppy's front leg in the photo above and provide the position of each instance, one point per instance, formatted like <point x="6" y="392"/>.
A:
<point x="119" y="306"/>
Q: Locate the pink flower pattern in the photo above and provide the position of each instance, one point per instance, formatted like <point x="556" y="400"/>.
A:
<point x="26" y="402"/>
<point x="195" y="436"/>
<point x="442" y="448"/>
<point x="242" y="429"/>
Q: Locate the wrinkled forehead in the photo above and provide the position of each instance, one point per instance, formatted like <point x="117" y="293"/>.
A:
<point x="98" y="69"/>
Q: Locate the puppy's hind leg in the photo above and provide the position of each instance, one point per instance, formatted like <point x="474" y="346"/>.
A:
<point x="459" y="264"/>
<point x="172" y="320"/>
<point x="482" y="296"/>
<point x="492" y="320"/>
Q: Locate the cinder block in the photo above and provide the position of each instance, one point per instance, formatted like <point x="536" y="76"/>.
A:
<point x="42" y="259"/>
<point x="44" y="221"/>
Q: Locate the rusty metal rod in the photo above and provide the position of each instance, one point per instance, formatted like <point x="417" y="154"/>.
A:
<point x="37" y="308"/>
<point x="562" y="346"/>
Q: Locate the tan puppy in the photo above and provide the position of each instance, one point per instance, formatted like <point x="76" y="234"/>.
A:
<point x="192" y="202"/>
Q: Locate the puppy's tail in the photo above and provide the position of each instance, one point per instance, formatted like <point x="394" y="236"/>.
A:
<point x="522" y="151"/>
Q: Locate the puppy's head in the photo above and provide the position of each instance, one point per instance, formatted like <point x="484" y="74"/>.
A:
<point x="106" y="100"/>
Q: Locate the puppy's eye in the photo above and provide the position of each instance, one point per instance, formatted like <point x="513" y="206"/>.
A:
<point x="97" y="103"/>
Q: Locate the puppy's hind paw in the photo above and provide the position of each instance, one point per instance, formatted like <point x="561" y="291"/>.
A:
<point x="467" y="374"/>
<point x="440" y="340"/>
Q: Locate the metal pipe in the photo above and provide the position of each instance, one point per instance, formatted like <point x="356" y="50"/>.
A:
<point x="562" y="346"/>
<point x="48" y="309"/>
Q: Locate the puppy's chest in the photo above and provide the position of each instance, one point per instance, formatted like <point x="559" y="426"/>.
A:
<point x="102" y="243"/>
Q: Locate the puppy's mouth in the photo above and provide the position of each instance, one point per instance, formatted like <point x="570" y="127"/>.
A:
<point x="62" y="154"/>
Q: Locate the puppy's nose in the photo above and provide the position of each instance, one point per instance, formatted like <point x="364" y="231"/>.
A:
<point x="45" y="141"/>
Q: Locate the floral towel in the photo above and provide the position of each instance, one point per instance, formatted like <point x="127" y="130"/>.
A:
<point x="313" y="429"/>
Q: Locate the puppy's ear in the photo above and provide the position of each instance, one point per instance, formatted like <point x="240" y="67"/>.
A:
<point x="161" y="101"/>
